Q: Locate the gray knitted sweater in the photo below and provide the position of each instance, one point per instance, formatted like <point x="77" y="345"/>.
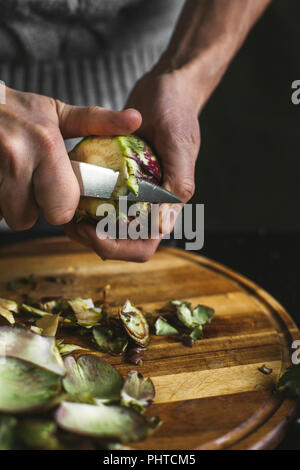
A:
<point x="82" y="51"/>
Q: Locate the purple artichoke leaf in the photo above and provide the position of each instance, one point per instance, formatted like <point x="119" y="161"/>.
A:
<point x="65" y="349"/>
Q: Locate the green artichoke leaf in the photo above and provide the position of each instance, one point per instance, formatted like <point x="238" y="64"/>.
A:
<point x="135" y="324"/>
<point x="21" y="343"/>
<point x="291" y="379"/>
<point x="48" y="324"/>
<point x="30" y="309"/>
<point x="110" y="339"/>
<point x="7" y="432"/>
<point x="196" y="333"/>
<point x="86" y="313"/>
<point x="137" y="391"/>
<point x="56" y="306"/>
<point x="91" y="377"/>
<point x="6" y="309"/>
<point x="38" y="434"/>
<point x="192" y="318"/>
<point x="202" y="315"/>
<point x="65" y="349"/>
<point x="116" y="423"/>
<point x="163" y="328"/>
<point x="25" y="388"/>
<point x="36" y="330"/>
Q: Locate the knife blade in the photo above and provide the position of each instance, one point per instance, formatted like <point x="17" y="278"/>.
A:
<point x="96" y="181"/>
<point x="149" y="192"/>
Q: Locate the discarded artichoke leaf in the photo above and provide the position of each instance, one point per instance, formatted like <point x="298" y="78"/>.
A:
<point x="265" y="369"/>
<point x="163" y="328"/>
<point x="48" y="324"/>
<point x="133" y="356"/>
<point x="196" y="333"/>
<point x="178" y="303"/>
<point x="184" y="315"/>
<point x="110" y="339"/>
<point x="20" y="343"/>
<point x="65" y="349"/>
<point x="202" y="314"/>
<point x="117" y="423"/>
<point x="291" y="379"/>
<point x="36" y="329"/>
<point x="25" y="388"/>
<point x="7" y="432"/>
<point x="36" y="311"/>
<point x="18" y="283"/>
<point x="56" y="305"/>
<point x="79" y="304"/>
<point x="89" y="318"/>
<point x="137" y="391"/>
<point x="86" y="313"/>
<point x="6" y="309"/>
<point x="38" y="434"/>
<point x="135" y="323"/>
<point x="198" y="317"/>
<point x="117" y="446"/>
<point x="92" y="377"/>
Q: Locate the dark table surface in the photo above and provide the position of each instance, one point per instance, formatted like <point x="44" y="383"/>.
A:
<point x="272" y="260"/>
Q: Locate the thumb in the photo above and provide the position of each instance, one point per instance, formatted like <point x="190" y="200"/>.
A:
<point x="81" y="121"/>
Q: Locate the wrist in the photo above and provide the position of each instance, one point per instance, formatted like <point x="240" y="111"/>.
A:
<point x="200" y="73"/>
<point x="187" y="81"/>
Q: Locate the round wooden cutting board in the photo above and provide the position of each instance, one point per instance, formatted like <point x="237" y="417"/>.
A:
<point x="210" y="396"/>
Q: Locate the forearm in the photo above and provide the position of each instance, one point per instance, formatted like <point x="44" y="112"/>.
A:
<point x="207" y="36"/>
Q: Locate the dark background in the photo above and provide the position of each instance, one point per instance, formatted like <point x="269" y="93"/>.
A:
<point x="248" y="168"/>
<point x="249" y="165"/>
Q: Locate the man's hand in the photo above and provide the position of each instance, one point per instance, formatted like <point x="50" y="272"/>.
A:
<point x="170" y="125"/>
<point x="170" y="97"/>
<point x="35" y="171"/>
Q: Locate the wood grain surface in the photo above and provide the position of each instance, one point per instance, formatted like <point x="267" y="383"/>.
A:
<point x="210" y="396"/>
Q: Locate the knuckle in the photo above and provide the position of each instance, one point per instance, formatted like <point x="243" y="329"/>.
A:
<point x="47" y="137"/>
<point x="10" y="155"/>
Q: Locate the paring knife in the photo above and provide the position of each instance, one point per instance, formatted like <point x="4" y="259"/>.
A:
<point x="96" y="181"/>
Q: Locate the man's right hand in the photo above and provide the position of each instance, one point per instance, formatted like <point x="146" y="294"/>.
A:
<point x="35" y="171"/>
